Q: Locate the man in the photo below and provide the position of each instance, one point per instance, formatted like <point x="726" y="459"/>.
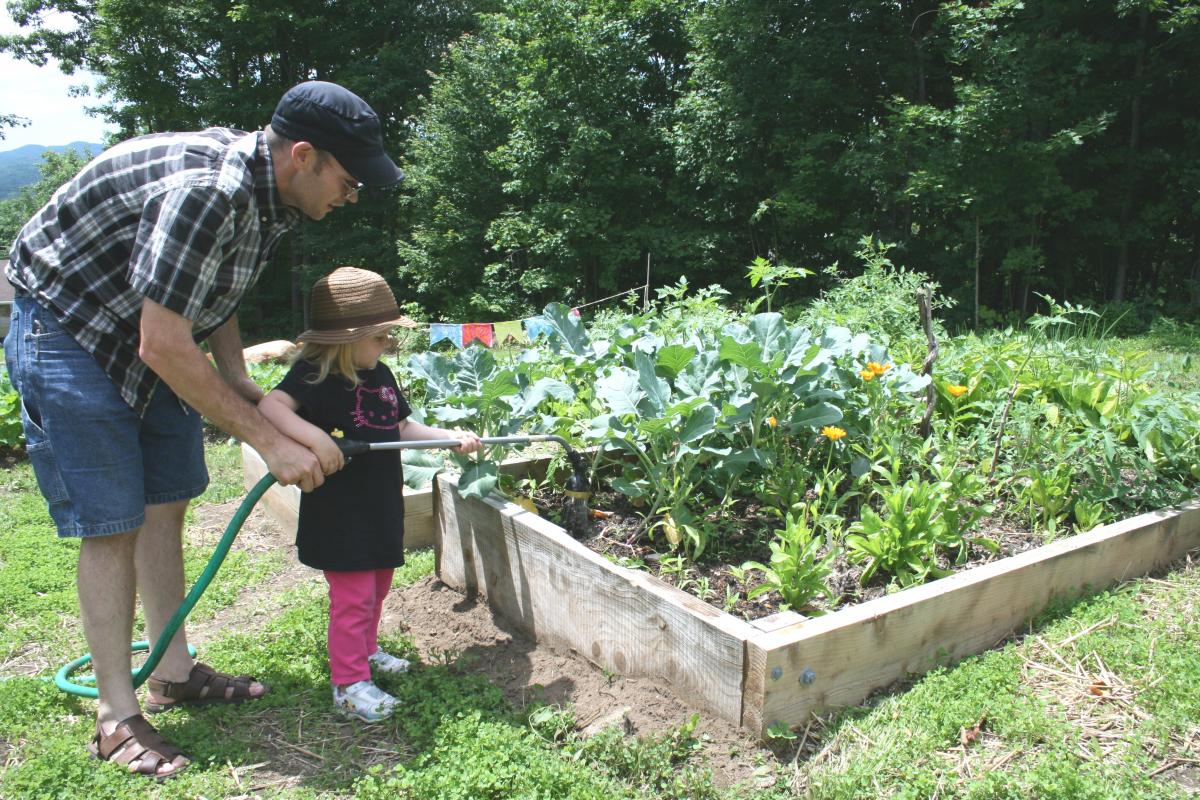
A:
<point x="148" y="251"/>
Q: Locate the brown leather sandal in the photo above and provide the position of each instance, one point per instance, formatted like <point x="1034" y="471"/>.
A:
<point x="204" y="686"/>
<point x="136" y="740"/>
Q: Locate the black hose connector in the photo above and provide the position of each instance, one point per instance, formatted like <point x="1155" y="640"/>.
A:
<point x="352" y="447"/>
<point x="578" y="485"/>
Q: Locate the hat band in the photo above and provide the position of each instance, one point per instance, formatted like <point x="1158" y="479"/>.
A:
<point x="355" y="322"/>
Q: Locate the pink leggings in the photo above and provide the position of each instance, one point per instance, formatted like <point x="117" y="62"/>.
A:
<point x="355" y="603"/>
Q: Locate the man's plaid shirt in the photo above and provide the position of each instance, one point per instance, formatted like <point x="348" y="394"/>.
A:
<point x="188" y="220"/>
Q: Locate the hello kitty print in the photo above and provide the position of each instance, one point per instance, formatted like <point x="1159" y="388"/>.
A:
<point x="377" y="408"/>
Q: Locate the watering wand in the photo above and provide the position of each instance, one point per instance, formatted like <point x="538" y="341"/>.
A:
<point x="578" y="489"/>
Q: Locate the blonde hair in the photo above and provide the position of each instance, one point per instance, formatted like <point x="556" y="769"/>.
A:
<point x="335" y="359"/>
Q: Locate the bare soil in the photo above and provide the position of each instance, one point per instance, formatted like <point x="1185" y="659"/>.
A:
<point x="441" y="621"/>
<point x="618" y="532"/>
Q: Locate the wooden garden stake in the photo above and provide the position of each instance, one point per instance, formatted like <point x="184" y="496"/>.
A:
<point x="924" y="303"/>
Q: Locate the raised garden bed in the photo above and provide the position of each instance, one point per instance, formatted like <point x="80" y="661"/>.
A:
<point x="781" y="668"/>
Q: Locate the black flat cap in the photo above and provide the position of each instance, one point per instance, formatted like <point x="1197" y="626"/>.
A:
<point x="335" y="119"/>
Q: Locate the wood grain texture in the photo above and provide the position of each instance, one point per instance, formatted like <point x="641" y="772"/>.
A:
<point x="839" y="659"/>
<point x="559" y="592"/>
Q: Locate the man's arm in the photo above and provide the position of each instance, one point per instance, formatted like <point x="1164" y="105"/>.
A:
<point x="167" y="348"/>
<point x="225" y="344"/>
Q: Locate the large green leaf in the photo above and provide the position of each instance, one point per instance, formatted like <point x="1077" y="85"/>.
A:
<point x="699" y="423"/>
<point x="743" y="354"/>
<point x="771" y="332"/>
<point x="420" y="466"/>
<point x="570" y="334"/>
<point x="620" y="391"/>
<point x="816" y="415"/>
<point x="478" y="479"/>
<point x="500" y="385"/>
<point x="674" y="358"/>
<point x="435" y="370"/>
<point x="658" y="391"/>
<point x="473" y="367"/>
<point x="545" y="388"/>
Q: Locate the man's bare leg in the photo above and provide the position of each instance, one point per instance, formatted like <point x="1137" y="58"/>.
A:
<point x="106" y="581"/>
<point x="106" y="584"/>
<point x="159" y="560"/>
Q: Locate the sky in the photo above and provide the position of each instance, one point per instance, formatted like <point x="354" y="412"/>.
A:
<point x="40" y="94"/>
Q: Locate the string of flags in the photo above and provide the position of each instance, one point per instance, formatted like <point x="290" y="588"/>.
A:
<point x="490" y="334"/>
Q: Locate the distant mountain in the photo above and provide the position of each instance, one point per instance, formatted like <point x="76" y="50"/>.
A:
<point x="19" y="167"/>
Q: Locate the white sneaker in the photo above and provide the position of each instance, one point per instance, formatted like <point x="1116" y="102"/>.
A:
<point x="388" y="663"/>
<point x="364" y="700"/>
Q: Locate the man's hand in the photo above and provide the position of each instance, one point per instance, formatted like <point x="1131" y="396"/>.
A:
<point x="293" y="464"/>
<point x="167" y="348"/>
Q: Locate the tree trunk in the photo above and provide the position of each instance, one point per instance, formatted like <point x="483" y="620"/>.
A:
<point x="1135" y="121"/>
<point x="978" y="252"/>
<point x="1195" y="287"/>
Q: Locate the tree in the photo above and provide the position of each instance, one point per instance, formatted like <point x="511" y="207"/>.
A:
<point x="165" y="65"/>
<point x="56" y="169"/>
<point x="539" y="167"/>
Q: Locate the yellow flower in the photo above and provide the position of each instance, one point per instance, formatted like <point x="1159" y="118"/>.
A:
<point x="772" y="422"/>
<point x="956" y="390"/>
<point x="832" y="432"/>
<point x="879" y="369"/>
<point x="867" y="375"/>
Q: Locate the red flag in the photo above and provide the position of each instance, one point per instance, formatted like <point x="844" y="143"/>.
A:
<point x="481" y="331"/>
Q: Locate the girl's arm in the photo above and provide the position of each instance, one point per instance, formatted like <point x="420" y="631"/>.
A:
<point x="280" y="409"/>
<point x="467" y="442"/>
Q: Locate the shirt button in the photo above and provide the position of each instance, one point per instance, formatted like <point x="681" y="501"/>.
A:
<point x="263" y="220"/>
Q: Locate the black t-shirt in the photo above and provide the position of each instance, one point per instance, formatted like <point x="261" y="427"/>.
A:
<point x="355" y="520"/>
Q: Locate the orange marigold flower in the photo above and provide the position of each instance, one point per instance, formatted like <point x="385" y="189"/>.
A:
<point x="876" y="367"/>
<point x="867" y="375"/>
<point x="772" y="421"/>
<point x="956" y="390"/>
<point x="832" y="432"/>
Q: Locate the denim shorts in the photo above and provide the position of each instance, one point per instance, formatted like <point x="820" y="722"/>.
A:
<point x="98" y="464"/>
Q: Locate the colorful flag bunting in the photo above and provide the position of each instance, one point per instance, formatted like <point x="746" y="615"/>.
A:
<point x="538" y="326"/>
<point x="510" y="330"/>
<point x="441" y="330"/>
<point x="477" y="331"/>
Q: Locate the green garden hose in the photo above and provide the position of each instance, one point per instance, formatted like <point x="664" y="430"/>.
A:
<point x="62" y="678"/>
<point x="577" y="490"/>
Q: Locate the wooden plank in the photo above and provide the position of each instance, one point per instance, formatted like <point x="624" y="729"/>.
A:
<point x="558" y="591"/>
<point x="283" y="503"/>
<point x="839" y="659"/>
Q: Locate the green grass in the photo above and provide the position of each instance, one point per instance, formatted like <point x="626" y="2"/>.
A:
<point x="458" y="738"/>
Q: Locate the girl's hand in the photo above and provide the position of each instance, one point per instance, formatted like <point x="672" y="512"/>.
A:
<point x="329" y="454"/>
<point x="468" y="442"/>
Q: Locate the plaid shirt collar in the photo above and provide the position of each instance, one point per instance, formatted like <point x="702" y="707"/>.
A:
<point x="271" y="209"/>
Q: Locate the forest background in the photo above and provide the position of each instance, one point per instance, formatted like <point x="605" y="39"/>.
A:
<point x="557" y="149"/>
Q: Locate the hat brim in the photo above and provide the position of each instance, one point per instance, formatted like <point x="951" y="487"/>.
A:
<point x="348" y="335"/>
<point x="375" y="171"/>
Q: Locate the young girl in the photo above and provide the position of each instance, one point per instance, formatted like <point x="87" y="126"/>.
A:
<point x="352" y="526"/>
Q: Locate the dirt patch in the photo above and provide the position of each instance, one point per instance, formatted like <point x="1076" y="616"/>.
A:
<point x="260" y="534"/>
<point x="441" y="621"/>
<point x="716" y="576"/>
<point x="444" y="623"/>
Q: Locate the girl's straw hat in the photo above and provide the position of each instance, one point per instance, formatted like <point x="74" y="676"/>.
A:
<point x="350" y="304"/>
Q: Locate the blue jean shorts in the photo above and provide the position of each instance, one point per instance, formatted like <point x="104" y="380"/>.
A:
<point x="98" y="464"/>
